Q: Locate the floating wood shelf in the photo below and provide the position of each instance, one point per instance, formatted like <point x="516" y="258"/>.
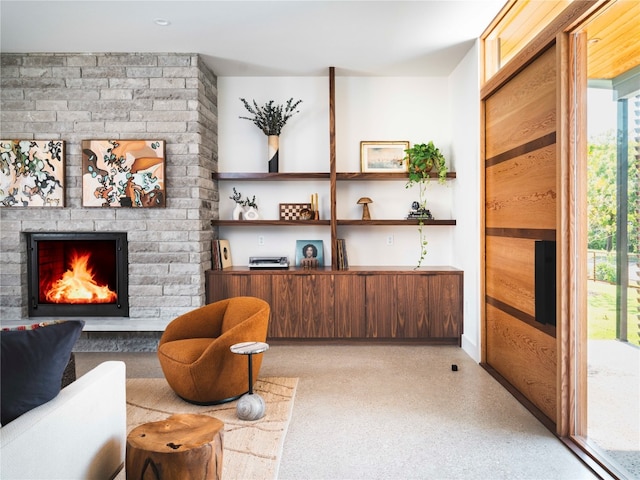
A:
<point x="401" y="221"/>
<point x="278" y="223"/>
<point x="367" y="176"/>
<point x="270" y="176"/>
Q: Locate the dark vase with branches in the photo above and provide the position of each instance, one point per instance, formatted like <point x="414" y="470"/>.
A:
<point x="271" y="118"/>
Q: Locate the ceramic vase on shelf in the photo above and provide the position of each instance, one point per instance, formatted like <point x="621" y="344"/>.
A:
<point x="237" y="212"/>
<point x="274" y="147"/>
<point x="251" y="214"/>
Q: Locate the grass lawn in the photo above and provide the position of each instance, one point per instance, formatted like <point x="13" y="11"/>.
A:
<point x="602" y="312"/>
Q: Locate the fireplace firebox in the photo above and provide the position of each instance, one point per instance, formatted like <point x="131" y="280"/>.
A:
<point x="77" y="274"/>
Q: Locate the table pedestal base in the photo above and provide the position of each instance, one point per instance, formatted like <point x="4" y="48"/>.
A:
<point x="251" y="406"/>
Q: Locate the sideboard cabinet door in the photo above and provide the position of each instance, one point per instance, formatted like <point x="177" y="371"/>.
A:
<point x="445" y="306"/>
<point x="349" y="308"/>
<point x="220" y="286"/>
<point x="302" y="306"/>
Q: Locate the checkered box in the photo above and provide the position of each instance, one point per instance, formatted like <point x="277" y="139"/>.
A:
<point x="291" y="211"/>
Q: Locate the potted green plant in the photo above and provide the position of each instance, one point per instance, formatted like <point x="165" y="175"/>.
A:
<point x="421" y="159"/>
<point x="271" y="118"/>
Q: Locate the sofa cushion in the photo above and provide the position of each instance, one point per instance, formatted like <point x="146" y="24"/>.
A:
<point x="33" y="359"/>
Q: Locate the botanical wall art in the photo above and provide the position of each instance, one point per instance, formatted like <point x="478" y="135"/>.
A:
<point x="123" y="173"/>
<point x="32" y="173"/>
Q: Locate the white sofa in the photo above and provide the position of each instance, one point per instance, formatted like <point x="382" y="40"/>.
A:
<point x="80" y="434"/>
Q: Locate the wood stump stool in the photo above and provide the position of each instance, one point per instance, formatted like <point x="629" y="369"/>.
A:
<point x="184" y="446"/>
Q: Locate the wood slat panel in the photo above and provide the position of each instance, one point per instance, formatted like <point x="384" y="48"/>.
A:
<point x="525" y="356"/>
<point x="532" y="233"/>
<point x="523" y="23"/>
<point x="521" y="193"/>
<point x="510" y="272"/>
<point x="523" y="109"/>
<point x="568" y="18"/>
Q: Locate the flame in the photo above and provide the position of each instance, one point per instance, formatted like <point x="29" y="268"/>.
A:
<point x="78" y="286"/>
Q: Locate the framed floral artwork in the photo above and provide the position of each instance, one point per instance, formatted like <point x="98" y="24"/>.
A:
<point x="32" y="173"/>
<point x="123" y="173"/>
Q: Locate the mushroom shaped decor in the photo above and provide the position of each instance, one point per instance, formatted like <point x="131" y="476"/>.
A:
<point x="365" y="201"/>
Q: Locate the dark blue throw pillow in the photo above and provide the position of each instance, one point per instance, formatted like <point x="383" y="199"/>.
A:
<point x="33" y="360"/>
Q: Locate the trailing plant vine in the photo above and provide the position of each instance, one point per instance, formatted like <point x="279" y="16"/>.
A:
<point x="422" y="158"/>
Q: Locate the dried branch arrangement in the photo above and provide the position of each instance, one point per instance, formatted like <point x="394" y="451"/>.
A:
<point x="271" y="118"/>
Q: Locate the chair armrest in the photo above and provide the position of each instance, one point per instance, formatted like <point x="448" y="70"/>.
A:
<point x="79" y="434"/>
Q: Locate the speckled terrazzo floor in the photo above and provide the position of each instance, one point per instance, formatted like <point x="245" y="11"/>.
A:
<point x="397" y="412"/>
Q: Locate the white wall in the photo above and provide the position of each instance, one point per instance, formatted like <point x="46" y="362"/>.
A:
<point x="416" y="109"/>
<point x="465" y="107"/>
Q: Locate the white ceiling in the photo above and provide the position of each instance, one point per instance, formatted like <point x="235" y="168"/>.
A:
<point x="242" y="37"/>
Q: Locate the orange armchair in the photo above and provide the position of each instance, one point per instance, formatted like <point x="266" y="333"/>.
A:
<point x="194" y="350"/>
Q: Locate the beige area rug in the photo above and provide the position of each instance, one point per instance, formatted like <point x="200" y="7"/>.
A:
<point x="252" y="449"/>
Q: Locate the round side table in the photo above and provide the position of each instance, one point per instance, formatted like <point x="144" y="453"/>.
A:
<point x="251" y="406"/>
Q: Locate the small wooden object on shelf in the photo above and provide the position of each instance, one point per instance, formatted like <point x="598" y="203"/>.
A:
<point x="295" y="211"/>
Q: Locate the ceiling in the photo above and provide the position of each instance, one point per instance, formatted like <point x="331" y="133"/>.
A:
<point x="260" y="38"/>
<point x="614" y="40"/>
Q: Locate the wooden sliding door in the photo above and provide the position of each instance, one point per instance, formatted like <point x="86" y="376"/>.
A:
<point x="520" y="209"/>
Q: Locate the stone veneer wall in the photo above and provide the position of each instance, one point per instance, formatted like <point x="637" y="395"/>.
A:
<point x="73" y="97"/>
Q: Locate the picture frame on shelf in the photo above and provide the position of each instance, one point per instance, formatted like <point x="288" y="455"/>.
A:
<point x="383" y="156"/>
<point x="309" y="253"/>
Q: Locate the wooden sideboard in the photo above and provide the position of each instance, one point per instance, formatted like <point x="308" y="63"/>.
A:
<point x="373" y="303"/>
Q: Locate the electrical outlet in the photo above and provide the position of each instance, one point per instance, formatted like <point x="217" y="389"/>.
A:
<point x="389" y="239"/>
<point x="261" y="240"/>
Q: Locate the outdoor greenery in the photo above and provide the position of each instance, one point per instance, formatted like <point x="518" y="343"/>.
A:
<point x="602" y="312"/>
<point x="601" y="213"/>
<point x="601" y="187"/>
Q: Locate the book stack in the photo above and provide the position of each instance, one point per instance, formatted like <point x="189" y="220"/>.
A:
<point x="343" y="262"/>
<point x="220" y="254"/>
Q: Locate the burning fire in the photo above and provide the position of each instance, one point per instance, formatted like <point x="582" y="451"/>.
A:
<point x="78" y="286"/>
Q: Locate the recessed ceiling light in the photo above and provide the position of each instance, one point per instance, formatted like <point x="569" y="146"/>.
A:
<point x="162" y="22"/>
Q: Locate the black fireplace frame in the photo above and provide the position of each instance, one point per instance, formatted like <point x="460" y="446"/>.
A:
<point x="117" y="309"/>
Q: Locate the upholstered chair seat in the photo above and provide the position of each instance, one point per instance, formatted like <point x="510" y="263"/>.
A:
<point x="194" y="350"/>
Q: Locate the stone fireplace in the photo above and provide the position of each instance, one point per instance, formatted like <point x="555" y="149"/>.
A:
<point x="76" y="97"/>
<point x="77" y="274"/>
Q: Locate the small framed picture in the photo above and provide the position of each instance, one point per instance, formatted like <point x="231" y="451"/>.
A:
<point x="309" y="253"/>
<point x="383" y="156"/>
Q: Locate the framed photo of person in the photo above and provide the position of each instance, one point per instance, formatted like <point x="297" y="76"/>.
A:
<point x="309" y="253"/>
